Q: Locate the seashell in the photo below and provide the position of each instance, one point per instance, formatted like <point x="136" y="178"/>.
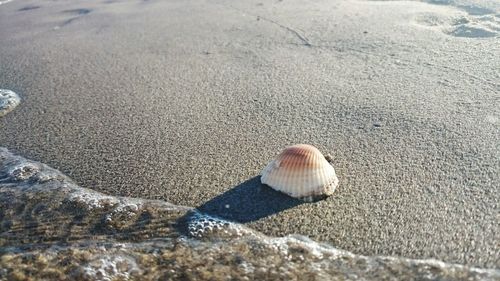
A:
<point x="301" y="171"/>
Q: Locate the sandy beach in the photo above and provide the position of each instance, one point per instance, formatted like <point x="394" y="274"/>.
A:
<point x="187" y="101"/>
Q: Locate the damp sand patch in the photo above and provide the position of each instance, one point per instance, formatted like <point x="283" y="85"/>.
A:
<point x="8" y="101"/>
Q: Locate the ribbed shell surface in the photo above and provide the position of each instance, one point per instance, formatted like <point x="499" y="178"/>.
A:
<point x="300" y="171"/>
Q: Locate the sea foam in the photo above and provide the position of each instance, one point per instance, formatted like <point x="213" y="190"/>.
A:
<point x="8" y="100"/>
<point x="46" y="218"/>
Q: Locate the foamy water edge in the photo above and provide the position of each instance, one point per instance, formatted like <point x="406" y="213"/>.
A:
<point x="8" y="101"/>
<point x="46" y="217"/>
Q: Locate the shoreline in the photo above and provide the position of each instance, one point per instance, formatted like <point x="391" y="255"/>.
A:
<point x="104" y="237"/>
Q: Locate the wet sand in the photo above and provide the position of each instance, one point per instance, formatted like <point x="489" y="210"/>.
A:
<point x="186" y="101"/>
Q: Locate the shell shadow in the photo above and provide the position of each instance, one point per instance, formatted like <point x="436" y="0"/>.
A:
<point x="247" y="202"/>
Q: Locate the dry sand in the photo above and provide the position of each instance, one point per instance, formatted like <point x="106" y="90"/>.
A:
<point x="186" y="101"/>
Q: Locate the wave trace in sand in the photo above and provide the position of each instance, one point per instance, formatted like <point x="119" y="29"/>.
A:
<point x="55" y="230"/>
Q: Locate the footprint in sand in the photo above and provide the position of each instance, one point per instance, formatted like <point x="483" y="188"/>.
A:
<point x="472" y="31"/>
<point x="469" y="22"/>
<point x="461" y="25"/>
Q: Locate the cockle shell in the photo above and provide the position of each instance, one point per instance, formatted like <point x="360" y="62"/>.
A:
<point x="301" y="171"/>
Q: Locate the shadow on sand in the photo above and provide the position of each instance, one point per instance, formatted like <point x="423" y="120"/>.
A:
<point x="247" y="202"/>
